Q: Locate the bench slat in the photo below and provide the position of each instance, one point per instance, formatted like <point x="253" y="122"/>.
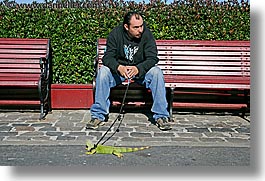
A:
<point x="212" y="43"/>
<point x="208" y="105"/>
<point x="204" y="53"/>
<point x="20" y="61"/>
<point x="203" y="48"/>
<point x="23" y="51"/>
<point x="218" y="63"/>
<point x="23" y="41"/>
<point x="19" y="102"/>
<point x="206" y="73"/>
<point x="22" y="83"/>
<point x="24" y="47"/>
<point x="20" y="66"/>
<point x="12" y="74"/>
<point x="16" y="56"/>
<point x="216" y="79"/>
<point x="211" y="86"/>
<point x="206" y="67"/>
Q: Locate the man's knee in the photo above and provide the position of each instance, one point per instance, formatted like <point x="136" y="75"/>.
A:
<point x="156" y="71"/>
<point x="104" y="72"/>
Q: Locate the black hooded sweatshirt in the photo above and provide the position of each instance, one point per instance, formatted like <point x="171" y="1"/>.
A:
<point x="123" y="50"/>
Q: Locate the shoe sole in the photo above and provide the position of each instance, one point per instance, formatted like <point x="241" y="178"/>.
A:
<point x="164" y="128"/>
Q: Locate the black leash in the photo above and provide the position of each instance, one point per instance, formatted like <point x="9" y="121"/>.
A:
<point x="119" y="117"/>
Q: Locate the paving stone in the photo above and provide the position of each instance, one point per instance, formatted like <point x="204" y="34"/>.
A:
<point x="5" y="128"/>
<point x="97" y="134"/>
<point x="182" y="125"/>
<point x="54" y="133"/>
<point x="180" y="139"/>
<point x="156" y="139"/>
<point x="3" y="123"/>
<point x="199" y="130"/>
<point x="212" y="139"/>
<point x="148" y="128"/>
<point x="41" y="124"/>
<point x="222" y="130"/>
<point x="24" y="128"/>
<point x="217" y="134"/>
<point x="5" y="133"/>
<point x="31" y="134"/>
<point x="163" y="134"/>
<point x="125" y="129"/>
<point x="243" y="130"/>
<point x="237" y="140"/>
<point x="240" y="135"/>
<point x="136" y="125"/>
<point x="20" y="124"/>
<point x="190" y="135"/>
<point x="70" y="128"/>
<point x="85" y="138"/>
<point x="138" y="134"/>
<point x="18" y="138"/>
<point x="131" y="139"/>
<point x="67" y="137"/>
<point x="48" y="128"/>
<point x="77" y="133"/>
<point x="178" y="129"/>
<point x="41" y="138"/>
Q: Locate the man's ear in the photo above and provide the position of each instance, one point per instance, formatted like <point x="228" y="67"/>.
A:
<point x="126" y="27"/>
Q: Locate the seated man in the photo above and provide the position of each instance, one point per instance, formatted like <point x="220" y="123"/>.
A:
<point x="131" y="53"/>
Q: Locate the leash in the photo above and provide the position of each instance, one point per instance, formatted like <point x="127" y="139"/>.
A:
<point x="119" y="117"/>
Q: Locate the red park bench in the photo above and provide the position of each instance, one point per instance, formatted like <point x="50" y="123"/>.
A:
<point x="199" y="75"/>
<point x="25" y="73"/>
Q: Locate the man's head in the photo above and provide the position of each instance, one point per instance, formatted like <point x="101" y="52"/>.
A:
<point x="134" y="25"/>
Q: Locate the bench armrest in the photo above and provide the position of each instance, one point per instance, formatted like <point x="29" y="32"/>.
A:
<point x="45" y="68"/>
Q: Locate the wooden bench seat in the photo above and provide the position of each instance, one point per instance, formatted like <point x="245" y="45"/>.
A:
<point x="25" y="73"/>
<point x="202" y="74"/>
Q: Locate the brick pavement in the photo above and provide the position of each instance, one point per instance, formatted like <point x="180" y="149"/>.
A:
<point x="67" y="127"/>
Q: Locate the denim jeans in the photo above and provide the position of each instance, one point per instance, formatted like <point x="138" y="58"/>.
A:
<point x="154" y="80"/>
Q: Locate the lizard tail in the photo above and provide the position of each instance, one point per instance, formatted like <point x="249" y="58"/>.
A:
<point x="133" y="149"/>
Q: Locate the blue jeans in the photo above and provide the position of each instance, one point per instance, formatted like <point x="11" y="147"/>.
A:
<point x="154" y="80"/>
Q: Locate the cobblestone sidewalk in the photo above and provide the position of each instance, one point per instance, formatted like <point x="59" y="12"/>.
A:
<point x="67" y="127"/>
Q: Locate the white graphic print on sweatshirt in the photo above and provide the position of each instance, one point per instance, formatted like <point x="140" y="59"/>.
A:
<point x="130" y="51"/>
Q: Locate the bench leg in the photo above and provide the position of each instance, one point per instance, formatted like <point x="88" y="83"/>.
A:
<point x="42" y="115"/>
<point x="171" y="98"/>
<point x="44" y="94"/>
<point x="246" y="109"/>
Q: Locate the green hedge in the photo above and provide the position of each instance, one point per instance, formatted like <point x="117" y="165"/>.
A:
<point x="74" y="30"/>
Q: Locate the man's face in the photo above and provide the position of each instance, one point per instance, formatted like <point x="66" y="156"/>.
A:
<point x="136" y="27"/>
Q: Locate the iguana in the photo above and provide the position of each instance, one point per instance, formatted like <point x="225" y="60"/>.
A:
<point x="117" y="151"/>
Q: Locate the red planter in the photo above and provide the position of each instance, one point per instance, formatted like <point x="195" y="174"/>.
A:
<point x="71" y="96"/>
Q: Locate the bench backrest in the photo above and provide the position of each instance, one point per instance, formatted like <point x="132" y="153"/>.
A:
<point x="203" y="60"/>
<point x="20" y="58"/>
<point x="199" y="57"/>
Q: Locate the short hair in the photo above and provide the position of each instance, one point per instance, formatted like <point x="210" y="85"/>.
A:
<point x="128" y="16"/>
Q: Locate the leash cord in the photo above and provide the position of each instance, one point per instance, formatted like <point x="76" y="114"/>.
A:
<point x="119" y="117"/>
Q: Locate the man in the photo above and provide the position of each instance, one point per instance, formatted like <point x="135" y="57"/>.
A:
<point x="131" y="53"/>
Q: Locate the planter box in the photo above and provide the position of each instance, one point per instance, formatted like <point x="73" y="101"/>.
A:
<point x="71" y="96"/>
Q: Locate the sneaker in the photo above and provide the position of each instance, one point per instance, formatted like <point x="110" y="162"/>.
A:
<point x="163" y="124"/>
<point x="94" y="123"/>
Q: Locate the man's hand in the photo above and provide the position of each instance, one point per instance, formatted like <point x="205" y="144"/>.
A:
<point x="123" y="71"/>
<point x="132" y="71"/>
<point x="128" y="71"/>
